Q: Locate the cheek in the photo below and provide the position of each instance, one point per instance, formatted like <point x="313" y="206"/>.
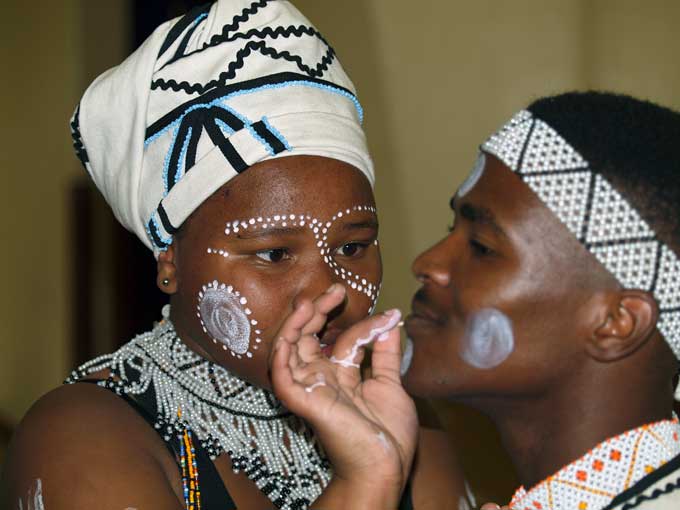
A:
<point x="227" y="319"/>
<point x="488" y="340"/>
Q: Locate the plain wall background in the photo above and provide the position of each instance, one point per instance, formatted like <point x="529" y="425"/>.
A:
<point x="435" y="78"/>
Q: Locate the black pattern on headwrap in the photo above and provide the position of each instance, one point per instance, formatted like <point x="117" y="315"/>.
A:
<point x="224" y="90"/>
<point x="316" y="72"/>
<point x="77" y="138"/>
<point x="185" y="21"/>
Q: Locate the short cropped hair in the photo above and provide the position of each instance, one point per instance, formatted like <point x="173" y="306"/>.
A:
<point x="633" y="144"/>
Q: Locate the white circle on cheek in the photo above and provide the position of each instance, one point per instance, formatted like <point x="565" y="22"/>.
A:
<point x="225" y="319"/>
<point x="488" y="339"/>
<point x="474" y="176"/>
<point x="407" y="357"/>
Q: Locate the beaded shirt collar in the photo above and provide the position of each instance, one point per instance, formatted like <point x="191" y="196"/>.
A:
<point x="594" y="480"/>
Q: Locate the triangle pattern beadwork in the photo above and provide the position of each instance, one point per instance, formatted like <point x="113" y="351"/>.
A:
<point x="592" y="481"/>
<point x="547" y="152"/>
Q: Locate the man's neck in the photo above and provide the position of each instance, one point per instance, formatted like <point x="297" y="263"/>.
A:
<point x="545" y="434"/>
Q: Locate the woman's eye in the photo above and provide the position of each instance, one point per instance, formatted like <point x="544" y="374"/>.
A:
<point x="479" y="248"/>
<point x="275" y="255"/>
<point x="350" y="249"/>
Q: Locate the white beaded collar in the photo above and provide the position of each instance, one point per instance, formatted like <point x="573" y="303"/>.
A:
<point x="276" y="449"/>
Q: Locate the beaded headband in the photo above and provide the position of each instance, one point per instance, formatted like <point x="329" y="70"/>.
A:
<point x="600" y="218"/>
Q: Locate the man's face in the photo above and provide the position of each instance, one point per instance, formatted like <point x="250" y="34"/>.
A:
<point x="502" y="309"/>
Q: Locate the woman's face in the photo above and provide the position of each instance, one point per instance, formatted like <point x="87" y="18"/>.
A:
<point x="285" y="229"/>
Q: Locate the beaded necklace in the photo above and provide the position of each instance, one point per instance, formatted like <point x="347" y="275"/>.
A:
<point x="276" y="449"/>
<point x="592" y="481"/>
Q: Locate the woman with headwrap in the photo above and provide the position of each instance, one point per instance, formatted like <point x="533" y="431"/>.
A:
<point x="230" y="142"/>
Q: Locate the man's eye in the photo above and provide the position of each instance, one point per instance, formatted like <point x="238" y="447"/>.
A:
<point x="350" y="249"/>
<point x="480" y="249"/>
<point x="275" y="255"/>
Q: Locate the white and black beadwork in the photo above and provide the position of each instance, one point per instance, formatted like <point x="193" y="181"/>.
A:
<point x="276" y="449"/>
<point x="602" y="220"/>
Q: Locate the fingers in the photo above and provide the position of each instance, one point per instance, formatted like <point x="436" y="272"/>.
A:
<point x="386" y="356"/>
<point x="291" y="330"/>
<point x="349" y="347"/>
<point x="282" y="378"/>
<point x="323" y="305"/>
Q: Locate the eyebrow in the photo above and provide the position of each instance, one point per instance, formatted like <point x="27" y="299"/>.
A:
<point x="361" y="225"/>
<point x="478" y="214"/>
<point x="295" y="229"/>
<point x="270" y="231"/>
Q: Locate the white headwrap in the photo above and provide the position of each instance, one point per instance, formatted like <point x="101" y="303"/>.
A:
<point x="206" y="96"/>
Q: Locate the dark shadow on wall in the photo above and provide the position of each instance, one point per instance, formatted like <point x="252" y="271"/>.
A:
<point x="115" y="295"/>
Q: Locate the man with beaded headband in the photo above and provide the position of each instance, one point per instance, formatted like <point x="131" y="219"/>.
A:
<point x="231" y="144"/>
<point x="587" y="368"/>
<point x="553" y="305"/>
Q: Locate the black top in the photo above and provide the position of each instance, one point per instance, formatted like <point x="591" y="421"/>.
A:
<point x="214" y="495"/>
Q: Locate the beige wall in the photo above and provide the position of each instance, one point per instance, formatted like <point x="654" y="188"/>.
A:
<point x="49" y="55"/>
<point x="435" y="78"/>
<point x="39" y="88"/>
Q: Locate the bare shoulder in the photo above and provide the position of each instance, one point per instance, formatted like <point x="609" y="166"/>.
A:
<point x="80" y="446"/>
<point x="437" y="480"/>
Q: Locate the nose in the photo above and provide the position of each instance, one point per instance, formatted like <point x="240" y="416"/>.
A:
<point x="317" y="278"/>
<point x="434" y="264"/>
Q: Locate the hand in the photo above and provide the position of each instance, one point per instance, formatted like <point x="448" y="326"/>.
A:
<point x="368" y="428"/>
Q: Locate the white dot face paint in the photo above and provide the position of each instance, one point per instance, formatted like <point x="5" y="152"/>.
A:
<point x="488" y="339"/>
<point x="473" y="178"/>
<point x="223" y="317"/>
<point x="407" y="357"/>
<point x="319" y="230"/>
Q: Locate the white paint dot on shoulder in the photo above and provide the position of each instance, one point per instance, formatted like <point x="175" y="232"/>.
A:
<point x="277" y="217"/>
<point x="251" y="221"/>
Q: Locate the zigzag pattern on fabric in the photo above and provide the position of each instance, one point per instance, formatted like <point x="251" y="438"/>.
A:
<point x="237" y="64"/>
<point x="261" y="33"/>
<point x="78" y="144"/>
<point x="670" y="487"/>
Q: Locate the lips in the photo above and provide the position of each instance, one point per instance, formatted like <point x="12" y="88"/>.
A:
<point x="421" y="309"/>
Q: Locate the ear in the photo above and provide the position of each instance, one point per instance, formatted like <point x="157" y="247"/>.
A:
<point x="630" y="320"/>
<point x="166" y="279"/>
